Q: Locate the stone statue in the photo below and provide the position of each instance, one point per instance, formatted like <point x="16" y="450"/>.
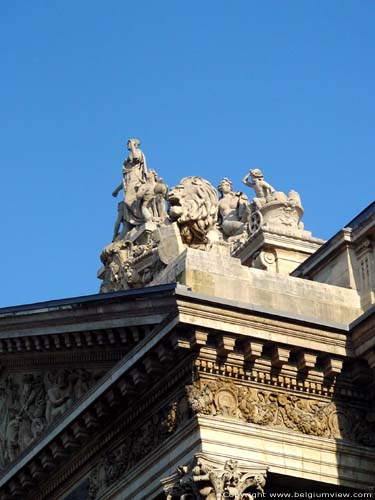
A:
<point x="146" y="195"/>
<point x="59" y="395"/>
<point x="120" y="221"/>
<point x="161" y="191"/>
<point x="147" y="238"/>
<point x="264" y="192"/>
<point x="193" y="203"/>
<point x="114" y="256"/>
<point x="234" y="209"/>
<point x="134" y="172"/>
<point x="271" y="209"/>
<point x="150" y="198"/>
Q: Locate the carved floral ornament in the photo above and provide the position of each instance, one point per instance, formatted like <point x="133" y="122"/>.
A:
<point x="205" y="218"/>
<point x="281" y="410"/>
<point x="203" y="479"/>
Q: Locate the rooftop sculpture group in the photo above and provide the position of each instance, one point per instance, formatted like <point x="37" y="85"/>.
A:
<point x="193" y="211"/>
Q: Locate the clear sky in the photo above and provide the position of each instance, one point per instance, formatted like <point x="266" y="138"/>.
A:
<point x="212" y="88"/>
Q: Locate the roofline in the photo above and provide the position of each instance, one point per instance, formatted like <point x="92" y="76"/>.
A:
<point x="261" y="310"/>
<point x="350" y="226"/>
<point x="358" y="219"/>
<point x="83" y="299"/>
<point x="173" y="289"/>
<point x="367" y="314"/>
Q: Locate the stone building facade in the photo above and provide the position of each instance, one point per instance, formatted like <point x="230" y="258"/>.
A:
<point x="230" y="354"/>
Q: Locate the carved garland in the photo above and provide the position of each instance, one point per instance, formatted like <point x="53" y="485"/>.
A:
<point x="280" y="410"/>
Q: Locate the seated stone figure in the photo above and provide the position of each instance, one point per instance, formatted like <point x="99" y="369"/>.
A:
<point x="271" y="208"/>
<point x="234" y="209"/>
<point x="263" y="190"/>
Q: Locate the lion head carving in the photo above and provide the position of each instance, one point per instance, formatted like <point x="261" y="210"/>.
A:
<point x="193" y="203"/>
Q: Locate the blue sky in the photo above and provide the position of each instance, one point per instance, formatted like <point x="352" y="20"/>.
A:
<point x="212" y="88"/>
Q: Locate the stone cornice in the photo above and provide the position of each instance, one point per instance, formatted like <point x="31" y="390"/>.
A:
<point x="259" y="310"/>
<point x="131" y="321"/>
<point x="125" y="380"/>
<point x="249" y="321"/>
<point x="269" y="350"/>
<point x="119" y="309"/>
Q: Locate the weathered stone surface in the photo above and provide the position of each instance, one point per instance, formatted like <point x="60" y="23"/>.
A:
<point x="201" y="479"/>
<point x="221" y="276"/>
<point x="264" y="389"/>
<point x="134" y="172"/>
<point x="30" y="402"/>
<point x="229" y="225"/>
<point x="193" y="203"/>
<point x="234" y="210"/>
<point x="281" y="410"/>
<point x="348" y="258"/>
<point x="170" y="244"/>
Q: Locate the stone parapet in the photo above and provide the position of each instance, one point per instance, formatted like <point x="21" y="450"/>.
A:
<point x="221" y="276"/>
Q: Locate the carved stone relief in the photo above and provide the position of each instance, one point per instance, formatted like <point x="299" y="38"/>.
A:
<point x="29" y="403"/>
<point x="129" y="265"/>
<point x="204" y="480"/>
<point x="138" y="443"/>
<point x="281" y="410"/>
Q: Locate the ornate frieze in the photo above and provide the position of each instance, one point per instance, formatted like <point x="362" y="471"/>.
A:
<point x="202" y="479"/>
<point x="281" y="410"/>
<point x="30" y="402"/>
<point x="139" y="443"/>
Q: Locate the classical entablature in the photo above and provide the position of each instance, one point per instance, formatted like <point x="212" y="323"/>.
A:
<point x="203" y="370"/>
<point x="229" y="380"/>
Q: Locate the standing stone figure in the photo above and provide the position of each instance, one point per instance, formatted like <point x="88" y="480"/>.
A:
<point x="264" y="192"/>
<point x="161" y="191"/>
<point x="12" y="435"/>
<point x="134" y="171"/>
<point x="59" y="395"/>
<point x="234" y="209"/>
<point x="146" y="195"/>
<point x="117" y="234"/>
